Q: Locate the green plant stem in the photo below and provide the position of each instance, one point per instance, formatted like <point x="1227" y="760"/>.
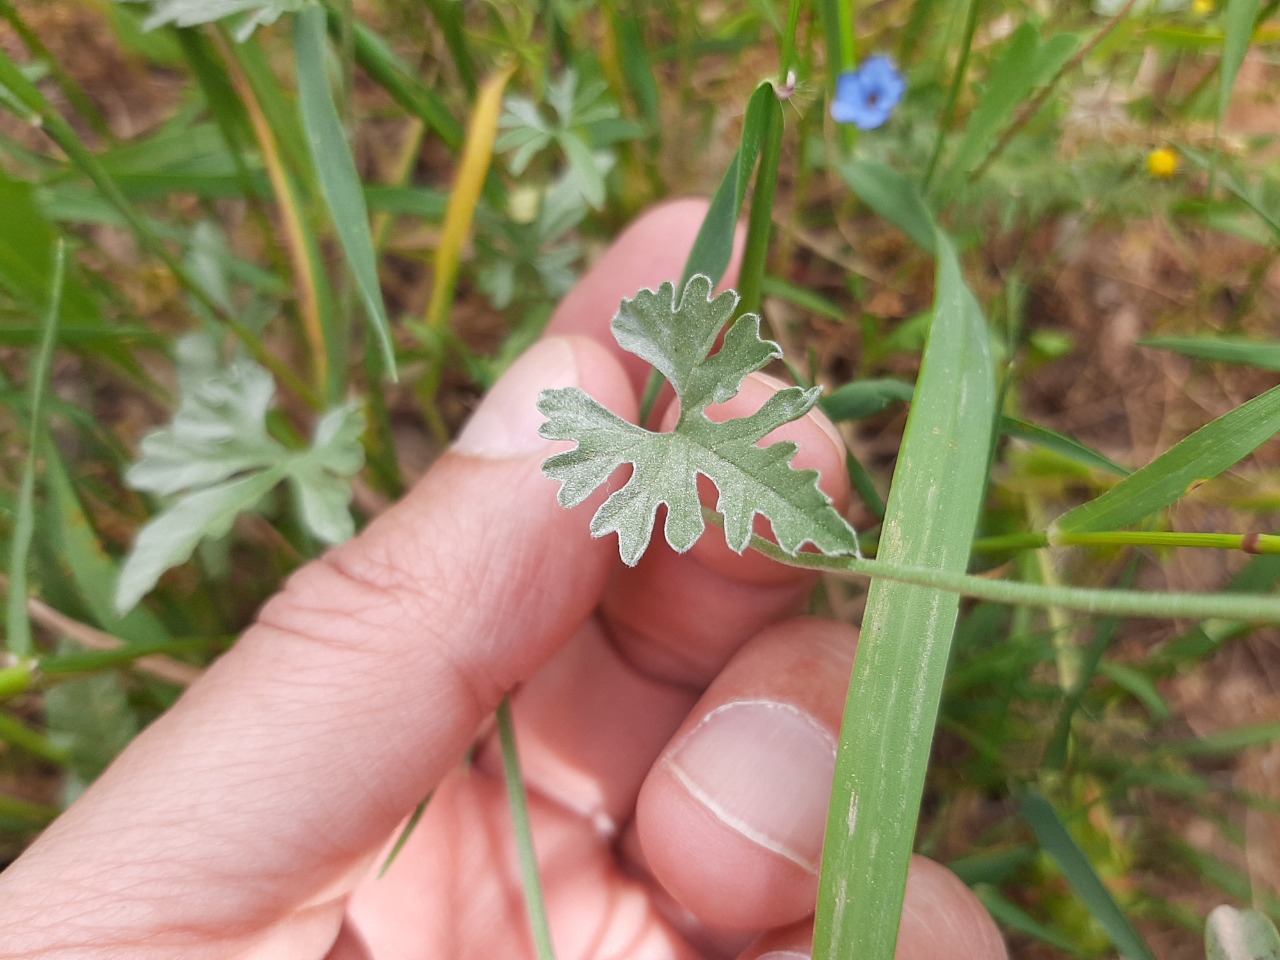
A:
<point x="519" y="799"/>
<point x="755" y="255"/>
<point x="17" y="621"/>
<point x="16" y="808"/>
<point x="21" y="736"/>
<point x="953" y="95"/>
<point x="1248" y="542"/>
<point x="1251" y="608"/>
<point x="410" y="825"/>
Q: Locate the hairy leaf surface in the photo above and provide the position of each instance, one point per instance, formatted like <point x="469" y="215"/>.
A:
<point x="751" y="480"/>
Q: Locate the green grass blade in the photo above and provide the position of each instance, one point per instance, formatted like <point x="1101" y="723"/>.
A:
<point x="755" y="255"/>
<point x="1058" y="843"/>
<point x="1240" y="17"/>
<point x="1225" y="741"/>
<point x="906" y="634"/>
<point x="1264" y="354"/>
<point x="865" y="398"/>
<point x="894" y="197"/>
<point x="519" y="800"/>
<point x="385" y="69"/>
<point x="1015" y="918"/>
<point x="339" y="180"/>
<point x="17" y="623"/>
<point x="1060" y="444"/>
<point x="1023" y="65"/>
<point x="713" y="246"/>
<point x="1209" y="451"/>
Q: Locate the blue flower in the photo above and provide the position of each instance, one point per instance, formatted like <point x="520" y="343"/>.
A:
<point x="866" y="97"/>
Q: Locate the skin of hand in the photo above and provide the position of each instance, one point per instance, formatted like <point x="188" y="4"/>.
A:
<point x="677" y="728"/>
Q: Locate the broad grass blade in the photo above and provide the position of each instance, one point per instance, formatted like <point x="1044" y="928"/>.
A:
<point x="339" y="180"/>
<point x="888" y="727"/>
<point x="1058" y="843"/>
<point x="1209" y="451"/>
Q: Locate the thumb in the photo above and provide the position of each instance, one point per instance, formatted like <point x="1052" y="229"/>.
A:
<point x="265" y="788"/>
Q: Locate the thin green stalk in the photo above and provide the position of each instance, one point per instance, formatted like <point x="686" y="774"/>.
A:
<point x="1248" y="542"/>
<point x="401" y="840"/>
<point x="537" y="907"/>
<point x="21" y="736"/>
<point x="755" y="256"/>
<point x="17" y="621"/>
<point x="953" y="95"/>
<point x="1250" y="608"/>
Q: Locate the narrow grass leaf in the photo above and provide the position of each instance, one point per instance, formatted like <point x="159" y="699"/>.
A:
<point x="1014" y="917"/>
<point x="17" y="623"/>
<point x="713" y="245"/>
<point x="1226" y="741"/>
<point x="889" y="721"/>
<point x="802" y="297"/>
<point x="1241" y="15"/>
<point x="1264" y="354"/>
<point x="1024" y="64"/>
<point x="1060" y="444"/>
<point x="88" y="567"/>
<point x="1138" y="685"/>
<point x="518" y="798"/>
<point x="634" y="57"/>
<point x="473" y="168"/>
<point x="755" y="252"/>
<point x="894" y="197"/>
<point x="865" y="398"/>
<point x="1056" y="840"/>
<point x="1209" y="451"/>
<point x="339" y="180"/>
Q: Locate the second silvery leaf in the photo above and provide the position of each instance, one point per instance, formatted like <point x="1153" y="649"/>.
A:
<point x="751" y="480"/>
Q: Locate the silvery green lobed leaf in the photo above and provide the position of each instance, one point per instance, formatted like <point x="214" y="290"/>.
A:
<point x="189" y="13"/>
<point x="751" y="480"/>
<point x="1232" y="934"/>
<point x="216" y="460"/>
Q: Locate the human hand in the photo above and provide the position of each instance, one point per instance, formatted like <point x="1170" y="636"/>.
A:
<point x="676" y="729"/>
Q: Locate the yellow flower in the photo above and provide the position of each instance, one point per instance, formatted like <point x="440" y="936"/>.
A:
<point x="1202" y="8"/>
<point x="1162" y="163"/>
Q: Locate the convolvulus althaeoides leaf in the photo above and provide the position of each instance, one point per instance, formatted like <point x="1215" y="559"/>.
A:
<point x="751" y="479"/>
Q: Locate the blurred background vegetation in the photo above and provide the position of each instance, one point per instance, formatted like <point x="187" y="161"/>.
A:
<point x="218" y="240"/>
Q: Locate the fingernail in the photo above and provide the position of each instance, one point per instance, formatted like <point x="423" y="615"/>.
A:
<point x="783" y="955"/>
<point x="764" y="769"/>
<point x="506" y="422"/>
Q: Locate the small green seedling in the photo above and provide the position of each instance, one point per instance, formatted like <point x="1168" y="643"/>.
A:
<point x="751" y="480"/>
